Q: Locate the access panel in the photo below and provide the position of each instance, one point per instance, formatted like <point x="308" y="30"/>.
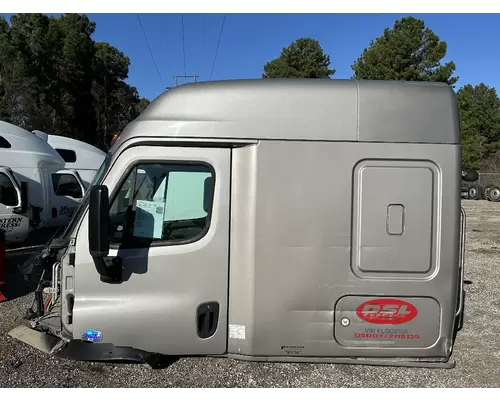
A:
<point x="395" y="214"/>
<point x="387" y="321"/>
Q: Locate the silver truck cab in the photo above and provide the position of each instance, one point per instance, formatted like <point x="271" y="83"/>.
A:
<point x="281" y="220"/>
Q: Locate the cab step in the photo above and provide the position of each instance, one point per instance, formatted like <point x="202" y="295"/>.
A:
<point x="42" y="341"/>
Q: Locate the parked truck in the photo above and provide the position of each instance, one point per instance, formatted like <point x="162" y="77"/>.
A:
<point x="51" y="192"/>
<point x="78" y="155"/>
<point x="246" y="219"/>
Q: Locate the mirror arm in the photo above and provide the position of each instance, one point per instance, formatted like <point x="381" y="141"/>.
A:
<point x="111" y="271"/>
<point x="100" y="265"/>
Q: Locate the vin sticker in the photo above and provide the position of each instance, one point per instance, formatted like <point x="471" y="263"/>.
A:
<point x="237" y="332"/>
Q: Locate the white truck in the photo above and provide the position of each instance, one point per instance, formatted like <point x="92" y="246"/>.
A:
<point x="78" y="155"/>
<point x="36" y="191"/>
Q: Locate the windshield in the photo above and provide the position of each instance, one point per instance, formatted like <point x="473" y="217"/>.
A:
<point x="98" y="178"/>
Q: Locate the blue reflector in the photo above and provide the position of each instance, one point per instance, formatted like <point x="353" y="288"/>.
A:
<point x="92" y="336"/>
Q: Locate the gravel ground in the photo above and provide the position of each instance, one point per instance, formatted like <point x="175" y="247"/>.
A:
<point x="477" y="350"/>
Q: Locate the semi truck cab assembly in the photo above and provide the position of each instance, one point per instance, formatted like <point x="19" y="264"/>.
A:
<point x="286" y="220"/>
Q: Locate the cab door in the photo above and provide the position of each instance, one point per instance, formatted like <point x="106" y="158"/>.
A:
<point x="15" y="225"/>
<point x="169" y="226"/>
<point x="67" y="192"/>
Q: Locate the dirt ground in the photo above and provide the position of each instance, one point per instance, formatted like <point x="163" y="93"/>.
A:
<point x="477" y="351"/>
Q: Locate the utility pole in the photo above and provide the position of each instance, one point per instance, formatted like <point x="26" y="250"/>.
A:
<point x="176" y="77"/>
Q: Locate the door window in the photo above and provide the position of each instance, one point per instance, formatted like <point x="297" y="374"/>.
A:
<point x="66" y="185"/>
<point x="162" y="203"/>
<point x="4" y="143"/>
<point x="68" y="156"/>
<point x="8" y="193"/>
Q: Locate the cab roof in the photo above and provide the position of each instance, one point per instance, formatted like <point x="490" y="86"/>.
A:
<point x="87" y="156"/>
<point x="25" y="149"/>
<point x="303" y="109"/>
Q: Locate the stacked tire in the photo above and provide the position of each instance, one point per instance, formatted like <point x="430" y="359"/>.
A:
<point x="475" y="192"/>
<point x="471" y="191"/>
<point x="492" y="193"/>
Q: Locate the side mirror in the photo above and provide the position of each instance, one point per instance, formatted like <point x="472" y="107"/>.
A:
<point x="9" y="197"/>
<point x="24" y="198"/>
<point x="99" y="222"/>
<point x="110" y="271"/>
<point x="208" y="194"/>
<point x="24" y="201"/>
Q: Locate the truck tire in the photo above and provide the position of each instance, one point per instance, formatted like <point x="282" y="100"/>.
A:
<point x="486" y="192"/>
<point x="494" y="194"/>
<point x="475" y="192"/>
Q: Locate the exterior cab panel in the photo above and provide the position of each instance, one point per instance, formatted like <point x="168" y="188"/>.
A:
<point x="292" y="274"/>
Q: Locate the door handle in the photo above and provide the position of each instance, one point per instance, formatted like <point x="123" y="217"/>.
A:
<point x="207" y="318"/>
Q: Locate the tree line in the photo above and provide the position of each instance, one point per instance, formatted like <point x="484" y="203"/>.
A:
<point x="55" y="78"/>
<point x="408" y="51"/>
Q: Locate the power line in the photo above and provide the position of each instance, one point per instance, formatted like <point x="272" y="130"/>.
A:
<point x="166" y="42"/>
<point x="150" y="51"/>
<point x="217" y="49"/>
<point x="183" y="48"/>
<point x="202" y="37"/>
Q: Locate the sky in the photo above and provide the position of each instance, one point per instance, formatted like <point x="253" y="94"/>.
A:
<point x="248" y="41"/>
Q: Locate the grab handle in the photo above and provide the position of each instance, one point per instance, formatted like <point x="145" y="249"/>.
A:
<point x="462" y="259"/>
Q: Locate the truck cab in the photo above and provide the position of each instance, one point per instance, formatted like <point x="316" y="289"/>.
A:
<point x="53" y="191"/>
<point x="246" y="219"/>
<point x="77" y="155"/>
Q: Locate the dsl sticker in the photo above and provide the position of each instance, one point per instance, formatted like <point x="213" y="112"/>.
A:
<point x="386" y="311"/>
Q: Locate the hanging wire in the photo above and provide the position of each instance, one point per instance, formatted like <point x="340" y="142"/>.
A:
<point x="150" y="51"/>
<point x="164" y="23"/>
<point x="183" y="46"/>
<point x="202" y="37"/>
<point x="218" y="43"/>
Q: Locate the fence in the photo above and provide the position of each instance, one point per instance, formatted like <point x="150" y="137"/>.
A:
<point x="488" y="178"/>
